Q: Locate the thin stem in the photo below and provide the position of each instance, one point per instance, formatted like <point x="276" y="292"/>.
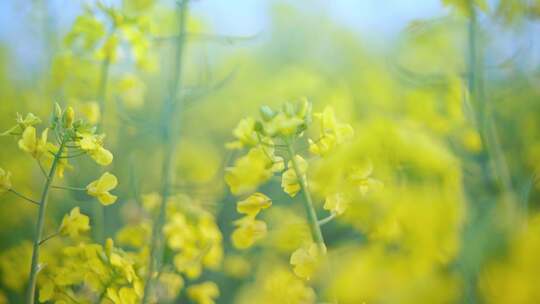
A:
<point x="68" y="188"/>
<point x="42" y="169"/>
<point x="170" y="109"/>
<point x="327" y="219"/>
<point x="49" y="237"/>
<point x="34" y="269"/>
<point x="23" y="197"/>
<point x="308" y="201"/>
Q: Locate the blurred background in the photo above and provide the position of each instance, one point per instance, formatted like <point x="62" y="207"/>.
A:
<point x="443" y="96"/>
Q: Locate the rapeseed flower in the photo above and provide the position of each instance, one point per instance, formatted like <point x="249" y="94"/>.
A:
<point x="247" y="232"/>
<point x="203" y="293"/>
<point x="252" y="205"/>
<point x="74" y="223"/>
<point x="289" y="180"/>
<point x="100" y="188"/>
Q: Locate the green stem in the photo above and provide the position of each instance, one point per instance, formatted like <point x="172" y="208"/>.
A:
<point x="170" y="109"/>
<point x="99" y="209"/>
<point x="34" y="269"/>
<point x="23" y="197"/>
<point x="308" y="201"/>
<point x="68" y="188"/>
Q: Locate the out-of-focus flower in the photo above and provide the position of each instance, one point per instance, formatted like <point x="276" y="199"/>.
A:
<point x="336" y="202"/>
<point x="245" y="134"/>
<point x="101" y="187"/>
<point x="251" y="170"/>
<point x="252" y="205"/>
<point x="306" y="260"/>
<point x="74" y="223"/>
<point x="203" y="293"/>
<point x="332" y="133"/>
<point x="247" y="232"/>
<point x="22" y="124"/>
<point x="90" y="110"/>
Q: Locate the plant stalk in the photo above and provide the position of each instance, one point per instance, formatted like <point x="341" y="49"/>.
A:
<point x="170" y="110"/>
<point x="34" y="269"/>
<point x="313" y="222"/>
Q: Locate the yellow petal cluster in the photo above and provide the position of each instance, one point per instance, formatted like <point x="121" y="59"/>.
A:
<point x="100" y="188"/>
<point x="332" y="133"/>
<point x="252" y="205"/>
<point x="248" y="231"/>
<point x="33" y="145"/>
<point x="289" y="181"/>
<point x="74" y="223"/>
<point x="336" y="203"/>
<point x="306" y="260"/>
<point x="203" y="293"/>
<point x="245" y="134"/>
<point x="251" y="170"/>
<point x="93" y="145"/>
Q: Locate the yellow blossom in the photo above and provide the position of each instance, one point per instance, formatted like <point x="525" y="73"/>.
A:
<point x="5" y="180"/>
<point x="248" y="231"/>
<point x="332" y="133"/>
<point x="289" y="180"/>
<point x="172" y="284"/>
<point x="283" y="124"/>
<point x="101" y="187"/>
<point x="91" y="111"/>
<point x="22" y="124"/>
<point x="336" y="202"/>
<point x="123" y="295"/>
<point x="253" y="204"/>
<point x="33" y="145"/>
<point x="203" y="293"/>
<point x="306" y="260"/>
<point x="93" y="144"/>
<point x="245" y="134"/>
<point x="74" y="223"/>
<point x="250" y="171"/>
<point x="360" y="176"/>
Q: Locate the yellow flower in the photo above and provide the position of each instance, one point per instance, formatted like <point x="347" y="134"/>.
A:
<point x="332" y="133"/>
<point x="46" y="291"/>
<point x="289" y="180"/>
<point x="93" y="144"/>
<point x="33" y="145"/>
<point x="90" y="110"/>
<point x="74" y="223"/>
<point x="336" y="203"/>
<point x="5" y="180"/>
<point x="22" y="124"/>
<point x="123" y="295"/>
<point x="253" y="204"/>
<point x="282" y="124"/>
<point x="306" y="260"/>
<point x="248" y="231"/>
<point x="236" y="266"/>
<point x="172" y="284"/>
<point x="250" y="171"/>
<point x="360" y="176"/>
<point x="323" y="145"/>
<point x="203" y="293"/>
<point x="245" y="134"/>
<point x="101" y="187"/>
<point x="178" y="233"/>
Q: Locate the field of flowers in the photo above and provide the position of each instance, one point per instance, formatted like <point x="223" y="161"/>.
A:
<point x="146" y="156"/>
